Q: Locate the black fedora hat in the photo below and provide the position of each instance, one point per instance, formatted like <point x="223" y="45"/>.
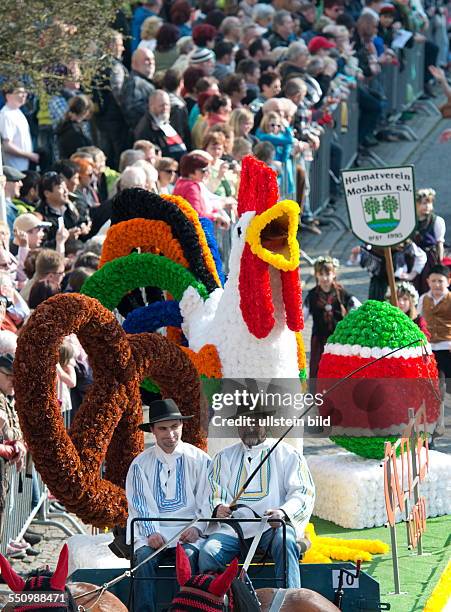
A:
<point x="163" y="410"/>
<point x="259" y="411"/>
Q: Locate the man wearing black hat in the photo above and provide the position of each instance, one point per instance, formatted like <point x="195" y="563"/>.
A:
<point x="169" y="479"/>
<point x="282" y="489"/>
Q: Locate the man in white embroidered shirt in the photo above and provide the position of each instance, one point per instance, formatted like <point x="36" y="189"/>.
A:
<point x="168" y="478"/>
<point x="282" y="489"/>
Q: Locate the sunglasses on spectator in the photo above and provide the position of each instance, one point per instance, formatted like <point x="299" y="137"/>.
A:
<point x="273" y="125"/>
<point x="170" y="171"/>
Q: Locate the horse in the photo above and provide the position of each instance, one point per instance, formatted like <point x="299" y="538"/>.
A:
<point x="213" y="593"/>
<point x="75" y="597"/>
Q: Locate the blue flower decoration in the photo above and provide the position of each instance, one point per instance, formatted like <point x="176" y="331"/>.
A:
<point x="152" y="317"/>
<point x="208" y="227"/>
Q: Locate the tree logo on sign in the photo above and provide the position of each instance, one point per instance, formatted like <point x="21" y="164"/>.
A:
<point x="382" y="213"/>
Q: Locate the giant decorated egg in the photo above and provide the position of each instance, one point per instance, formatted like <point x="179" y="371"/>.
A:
<point x="385" y="366"/>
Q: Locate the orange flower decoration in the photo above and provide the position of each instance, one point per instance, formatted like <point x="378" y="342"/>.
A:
<point x="145" y="234"/>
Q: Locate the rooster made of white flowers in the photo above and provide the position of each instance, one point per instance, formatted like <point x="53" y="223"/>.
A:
<point x="251" y="326"/>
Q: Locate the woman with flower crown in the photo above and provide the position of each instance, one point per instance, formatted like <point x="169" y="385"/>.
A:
<point x="328" y="303"/>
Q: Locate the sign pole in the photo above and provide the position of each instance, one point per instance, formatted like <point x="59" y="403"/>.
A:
<point x="391" y="276"/>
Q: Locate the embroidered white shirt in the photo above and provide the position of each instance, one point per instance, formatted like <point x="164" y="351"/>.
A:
<point x="160" y="484"/>
<point x="284" y="482"/>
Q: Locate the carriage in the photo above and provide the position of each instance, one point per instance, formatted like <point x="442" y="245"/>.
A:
<point x="344" y="584"/>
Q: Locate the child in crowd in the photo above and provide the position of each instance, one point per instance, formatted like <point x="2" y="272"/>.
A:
<point x="66" y="376"/>
<point x="328" y="303"/>
<point x="275" y="130"/>
<point x="385" y="29"/>
<point x="435" y="306"/>
<point x="408" y="262"/>
<point x="429" y="235"/>
<point x="407" y="302"/>
<point x="241" y="148"/>
<point x="265" y="152"/>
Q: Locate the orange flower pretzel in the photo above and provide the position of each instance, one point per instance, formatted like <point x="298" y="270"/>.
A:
<point x="122" y="238"/>
<point x="106" y="425"/>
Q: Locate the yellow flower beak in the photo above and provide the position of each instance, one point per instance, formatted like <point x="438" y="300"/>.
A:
<point x="272" y="235"/>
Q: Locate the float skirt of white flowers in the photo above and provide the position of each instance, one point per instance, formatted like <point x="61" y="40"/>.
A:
<point x="350" y="489"/>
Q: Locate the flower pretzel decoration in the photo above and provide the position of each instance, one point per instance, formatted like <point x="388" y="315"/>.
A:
<point x="105" y="428"/>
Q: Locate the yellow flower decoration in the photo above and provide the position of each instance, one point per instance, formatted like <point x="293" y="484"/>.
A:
<point x="441" y="595"/>
<point x="324" y="549"/>
<point x="288" y="213"/>
<point x="302" y="360"/>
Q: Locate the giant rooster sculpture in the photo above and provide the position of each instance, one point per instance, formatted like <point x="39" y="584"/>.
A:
<point x="248" y="328"/>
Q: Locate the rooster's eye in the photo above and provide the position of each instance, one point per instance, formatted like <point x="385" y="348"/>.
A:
<point x="239" y="231"/>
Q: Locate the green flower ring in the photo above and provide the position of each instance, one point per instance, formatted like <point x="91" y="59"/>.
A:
<point x="120" y="276"/>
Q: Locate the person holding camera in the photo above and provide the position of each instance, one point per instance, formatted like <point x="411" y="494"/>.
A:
<point x="223" y="178"/>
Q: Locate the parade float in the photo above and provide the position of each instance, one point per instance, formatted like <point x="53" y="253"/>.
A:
<point x="161" y="272"/>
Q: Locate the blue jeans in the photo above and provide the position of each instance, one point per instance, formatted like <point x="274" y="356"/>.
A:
<point x="221" y="548"/>
<point x="144" y="593"/>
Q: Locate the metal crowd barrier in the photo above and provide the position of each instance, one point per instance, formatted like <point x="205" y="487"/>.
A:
<point x="18" y="513"/>
<point x="319" y="174"/>
<point x="224" y="240"/>
<point x="404" y="84"/>
<point x="417" y="59"/>
<point x="346" y="133"/>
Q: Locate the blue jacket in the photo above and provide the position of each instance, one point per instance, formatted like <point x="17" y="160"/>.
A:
<point x="283" y="143"/>
<point x="139" y="16"/>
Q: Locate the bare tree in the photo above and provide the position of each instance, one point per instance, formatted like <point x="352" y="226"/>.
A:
<point x="37" y="36"/>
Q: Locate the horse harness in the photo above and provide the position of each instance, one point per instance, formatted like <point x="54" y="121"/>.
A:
<point x="277" y="600"/>
<point x="101" y="590"/>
